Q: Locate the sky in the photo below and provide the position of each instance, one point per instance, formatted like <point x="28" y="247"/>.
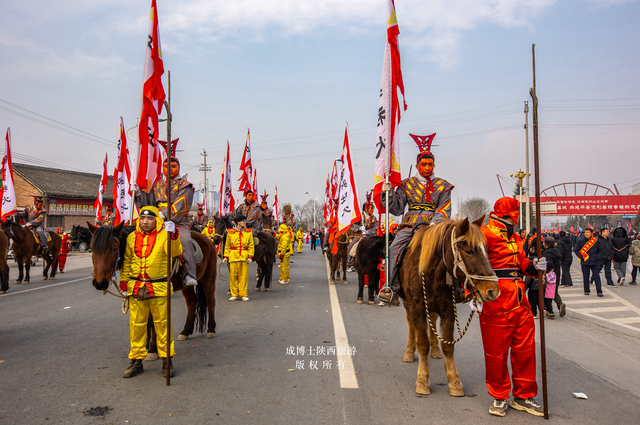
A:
<point x="295" y="71"/>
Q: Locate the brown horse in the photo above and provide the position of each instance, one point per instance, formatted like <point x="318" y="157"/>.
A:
<point x="4" y="267"/>
<point x="457" y="248"/>
<point x="107" y="251"/>
<point x="339" y="258"/>
<point x="25" y="246"/>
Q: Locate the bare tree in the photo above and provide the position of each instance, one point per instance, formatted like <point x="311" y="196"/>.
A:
<point x="473" y="208"/>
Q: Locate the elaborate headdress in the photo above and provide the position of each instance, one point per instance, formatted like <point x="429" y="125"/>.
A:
<point x="424" y="143"/>
<point x="369" y="202"/>
<point x="507" y="206"/>
<point x="174" y="145"/>
<point x="264" y="197"/>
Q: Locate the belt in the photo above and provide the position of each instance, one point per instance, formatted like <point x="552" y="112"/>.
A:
<point x="507" y="273"/>
<point x="160" y="279"/>
<point x="422" y="207"/>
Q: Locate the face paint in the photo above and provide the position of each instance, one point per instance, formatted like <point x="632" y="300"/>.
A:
<point x="175" y="169"/>
<point x="250" y="197"/>
<point x="425" y="167"/>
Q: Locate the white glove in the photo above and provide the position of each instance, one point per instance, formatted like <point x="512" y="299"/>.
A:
<point x="249" y="261"/>
<point x="135" y="188"/>
<point x="475" y="307"/>
<point x="27" y="225"/>
<point x="225" y="261"/>
<point x="386" y="187"/>
<point x="170" y="226"/>
<point x="540" y="264"/>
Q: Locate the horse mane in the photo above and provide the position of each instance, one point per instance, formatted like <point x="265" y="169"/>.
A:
<point x="102" y="239"/>
<point x="431" y="238"/>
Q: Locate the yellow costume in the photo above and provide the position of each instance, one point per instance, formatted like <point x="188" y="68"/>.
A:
<point x="209" y="231"/>
<point x="238" y="249"/>
<point x="145" y="268"/>
<point x="300" y="239"/>
<point x="285" y="247"/>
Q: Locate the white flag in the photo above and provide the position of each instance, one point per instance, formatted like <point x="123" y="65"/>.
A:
<point x="8" y="191"/>
<point x="122" y="180"/>
<point x="227" y="203"/>
<point x="348" y="211"/>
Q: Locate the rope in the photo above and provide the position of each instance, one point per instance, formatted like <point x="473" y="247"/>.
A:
<point x="455" y="312"/>
<point x="220" y="275"/>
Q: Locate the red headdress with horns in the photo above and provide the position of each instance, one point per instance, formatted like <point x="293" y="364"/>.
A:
<point x="369" y="202"/>
<point x="265" y="196"/>
<point x="424" y="143"/>
<point x="174" y="145"/>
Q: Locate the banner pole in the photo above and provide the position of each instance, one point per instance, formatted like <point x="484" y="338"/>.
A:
<point x="169" y="286"/>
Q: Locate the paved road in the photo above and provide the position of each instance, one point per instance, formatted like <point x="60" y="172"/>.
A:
<point x="64" y="346"/>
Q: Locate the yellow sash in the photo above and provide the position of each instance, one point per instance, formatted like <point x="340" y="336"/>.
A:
<point x="587" y="247"/>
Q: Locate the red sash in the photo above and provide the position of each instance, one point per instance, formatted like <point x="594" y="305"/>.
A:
<point x="587" y="247"/>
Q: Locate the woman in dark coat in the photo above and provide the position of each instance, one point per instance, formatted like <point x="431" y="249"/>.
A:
<point x="621" y="244"/>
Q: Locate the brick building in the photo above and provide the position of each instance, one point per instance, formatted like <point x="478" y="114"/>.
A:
<point x="68" y="196"/>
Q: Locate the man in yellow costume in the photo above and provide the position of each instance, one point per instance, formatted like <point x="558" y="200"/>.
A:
<point x="284" y="251"/>
<point x="238" y="252"/>
<point x="210" y="230"/>
<point x="144" y="274"/>
<point x="300" y="238"/>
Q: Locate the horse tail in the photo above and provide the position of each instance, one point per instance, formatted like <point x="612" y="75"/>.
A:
<point x="201" y="308"/>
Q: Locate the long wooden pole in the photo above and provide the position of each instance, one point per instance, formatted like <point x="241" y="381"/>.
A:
<point x="536" y="167"/>
<point x="169" y="287"/>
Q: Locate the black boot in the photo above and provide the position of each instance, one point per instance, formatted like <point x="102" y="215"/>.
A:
<point x="164" y="368"/>
<point x="135" y="367"/>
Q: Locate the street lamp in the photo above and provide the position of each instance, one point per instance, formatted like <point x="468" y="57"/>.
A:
<point x="314" y="207"/>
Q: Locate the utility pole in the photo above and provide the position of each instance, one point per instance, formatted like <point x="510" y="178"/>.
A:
<point x="205" y="169"/>
<point x="526" y="133"/>
<point x="519" y="175"/>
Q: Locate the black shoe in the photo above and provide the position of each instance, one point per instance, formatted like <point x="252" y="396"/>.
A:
<point x="135" y="367"/>
<point x="586" y="293"/>
<point x="164" y="369"/>
<point x="600" y="294"/>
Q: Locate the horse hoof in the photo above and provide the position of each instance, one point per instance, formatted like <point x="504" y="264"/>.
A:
<point x="3" y="292"/>
<point x="183" y="337"/>
<point x="345" y="282"/>
<point x="18" y="281"/>
<point x="211" y="335"/>
<point x="26" y="282"/>
<point x="332" y="282"/>
<point x="44" y="278"/>
<point x="51" y="278"/>
<point x="409" y="358"/>
<point x="436" y="354"/>
<point x="359" y="301"/>
<point x="151" y="357"/>
<point x="456" y="392"/>
<point x="423" y="391"/>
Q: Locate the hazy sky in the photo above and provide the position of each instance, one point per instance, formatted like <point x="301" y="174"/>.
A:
<point x="295" y="70"/>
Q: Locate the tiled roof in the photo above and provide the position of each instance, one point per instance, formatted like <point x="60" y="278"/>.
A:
<point x="55" y="183"/>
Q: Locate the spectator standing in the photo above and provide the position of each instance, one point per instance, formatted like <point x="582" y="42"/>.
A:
<point x="634" y="252"/>
<point x="620" y="244"/>
<point x="554" y="259"/>
<point x="313" y="239"/>
<point x="588" y="249"/>
<point x="607" y="255"/>
<point x="564" y="247"/>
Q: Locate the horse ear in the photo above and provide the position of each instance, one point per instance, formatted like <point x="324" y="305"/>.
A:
<point x="92" y="228"/>
<point x="479" y="221"/>
<point x="118" y="229"/>
<point x="463" y="228"/>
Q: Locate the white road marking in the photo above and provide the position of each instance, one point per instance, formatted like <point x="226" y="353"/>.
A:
<point x="347" y="374"/>
<point x="44" y="287"/>
<point x="592" y="301"/>
<point x="616" y="322"/>
<point x="627" y="320"/>
<point x="600" y="309"/>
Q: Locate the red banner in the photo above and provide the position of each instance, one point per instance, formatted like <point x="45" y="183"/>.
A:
<point x="589" y="205"/>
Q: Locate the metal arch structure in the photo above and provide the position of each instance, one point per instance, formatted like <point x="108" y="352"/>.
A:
<point x="576" y="189"/>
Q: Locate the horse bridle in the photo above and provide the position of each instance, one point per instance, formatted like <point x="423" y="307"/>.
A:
<point x="114" y="282"/>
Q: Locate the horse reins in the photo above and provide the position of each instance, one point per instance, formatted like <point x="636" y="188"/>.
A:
<point x="114" y="281"/>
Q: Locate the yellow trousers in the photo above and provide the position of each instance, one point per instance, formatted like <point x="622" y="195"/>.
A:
<point x="239" y="278"/>
<point x="284" y="268"/>
<point x="299" y="246"/>
<point x="138" y="317"/>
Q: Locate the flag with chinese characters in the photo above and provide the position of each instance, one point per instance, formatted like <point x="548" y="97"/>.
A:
<point x="246" y="167"/>
<point x="227" y="203"/>
<point x="153" y="95"/>
<point x="348" y="207"/>
<point x="122" y="205"/>
<point x="334" y="193"/>
<point x="388" y="136"/>
<point x="7" y="189"/>
<point x="327" y="199"/>
<point x="277" y="211"/>
<point x="255" y="184"/>
<point x="101" y="189"/>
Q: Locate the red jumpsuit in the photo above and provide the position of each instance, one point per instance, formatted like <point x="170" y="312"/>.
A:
<point x="64" y="250"/>
<point x="507" y="322"/>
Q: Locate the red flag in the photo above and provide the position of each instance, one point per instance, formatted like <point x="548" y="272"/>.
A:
<point x="276" y="207"/>
<point x="327" y="199"/>
<point x="571" y="229"/>
<point x="122" y="194"/>
<point x="227" y="203"/>
<point x="245" y="166"/>
<point x="101" y="189"/>
<point x="153" y="95"/>
<point x="255" y="184"/>
<point x="388" y="140"/>
<point x="348" y="207"/>
<point x="7" y="190"/>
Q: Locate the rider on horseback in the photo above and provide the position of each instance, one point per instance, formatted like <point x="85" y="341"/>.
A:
<point x="251" y="210"/>
<point x="429" y="200"/>
<point x="265" y="211"/>
<point x="181" y="197"/>
<point x="368" y="227"/>
<point x="35" y="216"/>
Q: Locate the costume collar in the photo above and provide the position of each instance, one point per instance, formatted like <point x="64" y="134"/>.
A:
<point x="423" y="180"/>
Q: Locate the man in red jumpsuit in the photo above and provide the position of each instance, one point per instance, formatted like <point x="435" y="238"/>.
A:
<point x="507" y="323"/>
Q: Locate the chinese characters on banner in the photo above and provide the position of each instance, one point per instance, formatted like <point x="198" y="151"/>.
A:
<point x="589" y="205"/>
<point x="71" y="207"/>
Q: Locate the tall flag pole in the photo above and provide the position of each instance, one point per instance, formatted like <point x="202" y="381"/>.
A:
<point x="7" y="190"/>
<point x="149" y="157"/>
<point x="227" y="203"/>
<point x="255" y="184"/>
<point x="122" y="195"/>
<point x="101" y="189"/>
<point x="245" y="166"/>
<point x="387" y="168"/>
<point x="327" y="199"/>
<point x="276" y="207"/>
<point x="348" y="208"/>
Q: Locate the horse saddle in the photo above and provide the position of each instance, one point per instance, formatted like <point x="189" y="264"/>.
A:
<point x="256" y="241"/>
<point x="354" y="248"/>
<point x="35" y="235"/>
<point x="198" y="252"/>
